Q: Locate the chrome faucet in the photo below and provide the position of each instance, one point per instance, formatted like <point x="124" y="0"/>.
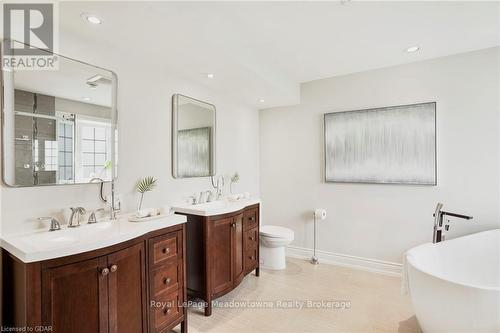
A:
<point x="439" y="215"/>
<point x="92" y="218"/>
<point x="54" y="224"/>
<point x="193" y="199"/>
<point x="220" y="187"/>
<point x="205" y="196"/>
<point x="76" y="214"/>
<point x="112" y="209"/>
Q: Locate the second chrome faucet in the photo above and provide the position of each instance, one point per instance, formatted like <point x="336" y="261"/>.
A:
<point x="76" y="216"/>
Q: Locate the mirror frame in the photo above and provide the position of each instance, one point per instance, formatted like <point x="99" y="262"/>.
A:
<point x="114" y="120"/>
<point x="174" y="129"/>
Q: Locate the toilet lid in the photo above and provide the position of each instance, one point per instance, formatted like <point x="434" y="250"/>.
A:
<point x="276" y="231"/>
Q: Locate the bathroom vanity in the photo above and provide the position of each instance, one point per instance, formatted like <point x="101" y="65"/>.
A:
<point x="113" y="276"/>
<point x="222" y="247"/>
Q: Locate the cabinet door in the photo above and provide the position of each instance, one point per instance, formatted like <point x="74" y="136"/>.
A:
<point x="127" y="290"/>
<point x="75" y="297"/>
<point x="221" y="254"/>
<point x="238" y="248"/>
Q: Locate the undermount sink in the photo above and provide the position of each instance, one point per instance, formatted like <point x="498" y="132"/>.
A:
<point x="215" y="207"/>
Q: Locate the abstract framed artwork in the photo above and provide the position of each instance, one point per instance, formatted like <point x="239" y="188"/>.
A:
<point x="388" y="145"/>
<point x="194" y="152"/>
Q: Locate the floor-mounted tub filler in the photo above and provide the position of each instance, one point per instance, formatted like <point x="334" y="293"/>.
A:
<point x="455" y="285"/>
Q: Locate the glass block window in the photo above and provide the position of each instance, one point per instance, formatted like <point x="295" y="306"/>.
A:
<point x="95" y="149"/>
<point x="45" y="155"/>
<point x="66" y="146"/>
<point x="51" y="155"/>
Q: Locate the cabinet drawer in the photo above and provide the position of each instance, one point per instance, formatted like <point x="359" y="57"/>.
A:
<point x="166" y="279"/>
<point x="250" y="218"/>
<point x="165" y="248"/>
<point x="168" y="308"/>
<point x="251" y="257"/>
<point x="251" y="238"/>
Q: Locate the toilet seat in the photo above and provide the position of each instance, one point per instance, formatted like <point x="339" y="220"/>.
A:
<point x="273" y="231"/>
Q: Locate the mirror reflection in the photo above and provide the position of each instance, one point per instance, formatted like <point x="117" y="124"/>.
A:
<point x="193" y="137"/>
<point x="59" y="125"/>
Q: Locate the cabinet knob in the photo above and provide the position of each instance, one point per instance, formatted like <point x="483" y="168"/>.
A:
<point x="251" y="258"/>
<point x="233" y="225"/>
<point x="113" y="268"/>
<point x="252" y="218"/>
<point x="166" y="311"/>
<point x="166" y="280"/>
<point x="104" y="271"/>
<point x="252" y="238"/>
<point x="165" y="250"/>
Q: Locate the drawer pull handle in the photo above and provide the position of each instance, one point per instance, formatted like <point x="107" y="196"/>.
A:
<point x="252" y="238"/>
<point x="251" y="258"/>
<point x="113" y="268"/>
<point x="252" y="218"/>
<point x="165" y="250"/>
<point x="166" y="280"/>
<point x="233" y="225"/>
<point x="166" y="311"/>
<point x="104" y="271"/>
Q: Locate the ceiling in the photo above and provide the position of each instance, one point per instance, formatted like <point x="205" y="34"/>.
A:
<point x="264" y="50"/>
<point x="69" y="81"/>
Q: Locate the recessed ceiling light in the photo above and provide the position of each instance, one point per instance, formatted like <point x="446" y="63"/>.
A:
<point x="261" y="100"/>
<point x="210" y="75"/>
<point x="86" y="98"/>
<point x="91" y="18"/>
<point x="412" y="49"/>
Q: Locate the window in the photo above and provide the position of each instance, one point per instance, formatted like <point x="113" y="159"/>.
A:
<point x="45" y="152"/>
<point x="94" y="150"/>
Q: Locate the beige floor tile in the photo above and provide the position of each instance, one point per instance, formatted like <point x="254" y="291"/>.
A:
<point x="376" y="303"/>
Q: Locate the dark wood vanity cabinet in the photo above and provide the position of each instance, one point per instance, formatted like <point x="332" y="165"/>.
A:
<point x="221" y="249"/>
<point x="135" y="286"/>
<point x="112" y="300"/>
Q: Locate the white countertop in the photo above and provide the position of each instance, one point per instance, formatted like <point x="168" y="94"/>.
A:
<point x="216" y="207"/>
<point x="44" y="245"/>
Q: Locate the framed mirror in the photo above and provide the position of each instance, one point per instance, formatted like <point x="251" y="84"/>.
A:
<point x="193" y="137"/>
<point x="59" y="126"/>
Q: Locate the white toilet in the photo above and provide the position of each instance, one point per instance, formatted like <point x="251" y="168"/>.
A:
<point x="273" y="240"/>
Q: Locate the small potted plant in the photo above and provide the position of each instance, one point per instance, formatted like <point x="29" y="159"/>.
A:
<point x="234" y="179"/>
<point x="145" y="185"/>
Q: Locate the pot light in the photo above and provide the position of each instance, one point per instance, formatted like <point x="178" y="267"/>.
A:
<point x="91" y="18"/>
<point x="210" y="75"/>
<point x="86" y="98"/>
<point x="412" y="49"/>
<point x="261" y="100"/>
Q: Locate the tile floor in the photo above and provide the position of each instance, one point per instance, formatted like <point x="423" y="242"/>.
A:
<point x="376" y="304"/>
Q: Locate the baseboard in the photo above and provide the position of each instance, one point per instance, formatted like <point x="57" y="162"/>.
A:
<point x="370" y="265"/>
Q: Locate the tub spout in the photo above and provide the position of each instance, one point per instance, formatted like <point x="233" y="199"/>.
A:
<point x="439" y="215"/>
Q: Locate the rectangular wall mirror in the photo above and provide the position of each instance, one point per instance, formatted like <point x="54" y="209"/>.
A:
<point x="193" y="137"/>
<point x="59" y="126"/>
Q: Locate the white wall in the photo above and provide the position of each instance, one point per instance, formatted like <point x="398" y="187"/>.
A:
<point x="144" y="106"/>
<point x="382" y="221"/>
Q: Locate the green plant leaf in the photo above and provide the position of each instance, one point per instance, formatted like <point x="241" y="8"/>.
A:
<point x="146" y="184"/>
<point x="235" y="178"/>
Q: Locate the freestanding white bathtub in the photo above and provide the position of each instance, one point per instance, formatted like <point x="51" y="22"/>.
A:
<point x="455" y="285"/>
